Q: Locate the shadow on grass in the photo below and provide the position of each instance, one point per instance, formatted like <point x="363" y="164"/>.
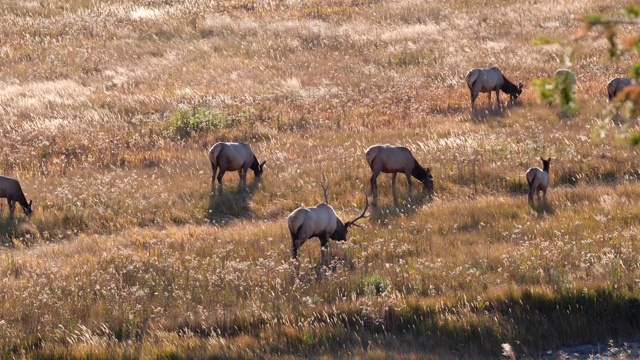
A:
<point x="486" y="113"/>
<point x="225" y="206"/>
<point x="16" y="227"/>
<point x="543" y="208"/>
<point x="381" y="213"/>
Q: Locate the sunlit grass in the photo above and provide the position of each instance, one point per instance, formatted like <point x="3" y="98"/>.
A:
<point x="108" y="111"/>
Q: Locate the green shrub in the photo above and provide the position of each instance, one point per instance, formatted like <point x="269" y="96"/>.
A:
<point x="200" y="119"/>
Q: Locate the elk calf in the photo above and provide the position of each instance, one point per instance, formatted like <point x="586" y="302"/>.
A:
<point x="11" y="190"/>
<point x="538" y="180"/>
<point x="227" y="156"/>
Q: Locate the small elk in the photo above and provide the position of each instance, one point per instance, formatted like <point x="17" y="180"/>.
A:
<point x="538" y="180"/>
<point x="228" y="156"/>
<point x="616" y="85"/>
<point x="319" y="221"/>
<point x="394" y="160"/>
<point x="11" y="190"/>
<point x="488" y="80"/>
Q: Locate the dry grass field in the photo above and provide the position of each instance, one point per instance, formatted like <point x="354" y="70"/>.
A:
<point x="108" y="108"/>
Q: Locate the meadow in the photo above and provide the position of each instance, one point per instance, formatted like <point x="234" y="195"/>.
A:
<point x="109" y="107"/>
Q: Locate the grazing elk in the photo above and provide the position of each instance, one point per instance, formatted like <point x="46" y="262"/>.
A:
<point x="396" y="159"/>
<point x="616" y="85"/>
<point x="11" y="190"/>
<point x="227" y="156"/>
<point x="319" y="221"/>
<point x="538" y="180"/>
<point x="488" y="80"/>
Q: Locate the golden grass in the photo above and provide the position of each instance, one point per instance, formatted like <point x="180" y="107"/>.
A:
<point x="108" y="110"/>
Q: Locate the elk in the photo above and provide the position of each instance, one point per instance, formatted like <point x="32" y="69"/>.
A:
<point x="11" y="190"/>
<point x="488" y="80"/>
<point x="228" y="156"/>
<point x="319" y="221"/>
<point x="393" y="160"/>
<point x="616" y="85"/>
<point x="538" y="180"/>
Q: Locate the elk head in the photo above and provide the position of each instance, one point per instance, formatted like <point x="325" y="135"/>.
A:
<point x="427" y="182"/>
<point x="258" y="168"/>
<point x="340" y="234"/>
<point x="27" y="209"/>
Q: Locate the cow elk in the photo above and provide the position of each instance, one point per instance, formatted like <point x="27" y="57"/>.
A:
<point x="488" y="80"/>
<point x="227" y="156"/>
<point x="11" y="190"/>
<point x="393" y="160"/>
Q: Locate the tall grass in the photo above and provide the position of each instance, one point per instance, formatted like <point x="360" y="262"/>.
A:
<point x="109" y="110"/>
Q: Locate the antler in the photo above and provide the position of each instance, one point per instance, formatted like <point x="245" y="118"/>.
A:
<point x="362" y="213"/>
<point x="325" y="190"/>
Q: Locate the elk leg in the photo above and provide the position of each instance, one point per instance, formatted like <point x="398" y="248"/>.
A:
<point x="244" y="177"/>
<point x="324" y="241"/>
<point x="214" y="169"/>
<point x="498" y="99"/>
<point x="374" y="183"/>
<point x="531" y="192"/>
<point x="489" y="99"/>
<point x="544" y="195"/>
<point x="220" y="175"/>
<point x="12" y="206"/>
<point x="473" y="100"/>
<point x="408" y="175"/>
<point x="294" y="245"/>
<point x="393" y="180"/>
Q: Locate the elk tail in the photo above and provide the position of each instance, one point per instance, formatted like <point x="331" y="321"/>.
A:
<point x="215" y="153"/>
<point x="370" y="155"/>
<point x="471" y="78"/>
<point x="532" y="179"/>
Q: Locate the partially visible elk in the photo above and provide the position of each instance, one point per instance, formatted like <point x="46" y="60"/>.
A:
<point x="616" y="85"/>
<point x="393" y="160"/>
<point x="488" y="80"/>
<point x="319" y="221"/>
<point x="538" y="180"/>
<point x="11" y="190"/>
<point x="228" y="156"/>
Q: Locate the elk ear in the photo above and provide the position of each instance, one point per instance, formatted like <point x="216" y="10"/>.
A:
<point x="30" y="202"/>
<point x="541" y="158"/>
<point x="428" y="170"/>
<point x="549" y="160"/>
<point x="520" y="85"/>
<point x="262" y="163"/>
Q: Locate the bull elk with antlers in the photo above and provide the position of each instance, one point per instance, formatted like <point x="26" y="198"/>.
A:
<point x="319" y="221"/>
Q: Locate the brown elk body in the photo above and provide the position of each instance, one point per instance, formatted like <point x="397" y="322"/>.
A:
<point x="490" y="79"/>
<point x="319" y="221"/>
<point x="538" y="180"/>
<point x="616" y="85"/>
<point x="226" y="156"/>
<point x="393" y="160"/>
<point x="11" y="190"/>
